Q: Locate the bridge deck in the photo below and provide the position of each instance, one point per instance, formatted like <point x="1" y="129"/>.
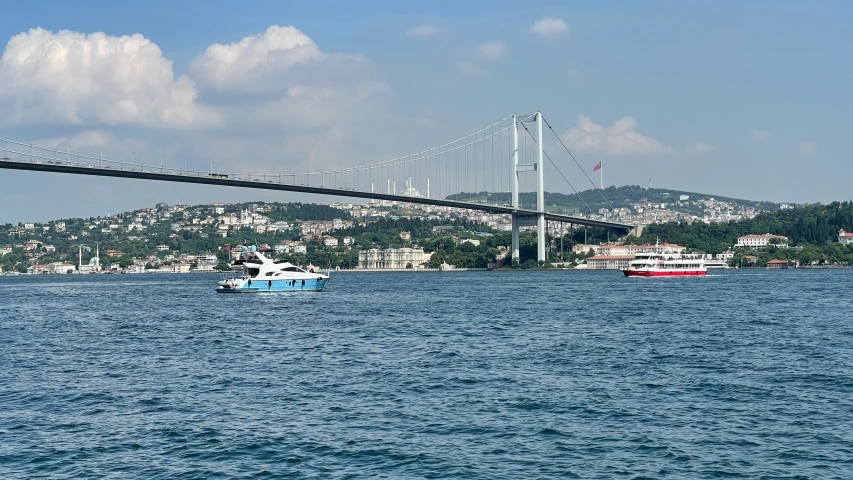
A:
<point x="152" y="173"/>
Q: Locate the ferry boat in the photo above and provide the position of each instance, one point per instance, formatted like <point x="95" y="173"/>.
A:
<point x="261" y="274"/>
<point x="709" y="263"/>
<point x="666" y="264"/>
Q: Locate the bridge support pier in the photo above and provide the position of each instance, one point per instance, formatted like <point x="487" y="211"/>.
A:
<point x="515" y="255"/>
<point x="539" y="219"/>
<point x="540" y="190"/>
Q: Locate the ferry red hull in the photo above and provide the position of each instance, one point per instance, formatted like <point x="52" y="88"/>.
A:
<point x="664" y="273"/>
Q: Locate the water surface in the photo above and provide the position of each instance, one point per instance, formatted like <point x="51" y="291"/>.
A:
<point x="475" y="375"/>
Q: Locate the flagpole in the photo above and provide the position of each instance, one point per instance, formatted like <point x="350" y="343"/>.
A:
<point x="601" y="172"/>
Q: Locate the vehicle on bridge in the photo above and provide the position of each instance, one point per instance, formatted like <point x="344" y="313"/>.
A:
<point x="261" y="274"/>
<point x="217" y="175"/>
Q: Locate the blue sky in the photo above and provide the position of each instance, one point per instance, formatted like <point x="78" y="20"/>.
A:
<point x="745" y="99"/>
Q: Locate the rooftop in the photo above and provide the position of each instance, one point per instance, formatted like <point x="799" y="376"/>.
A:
<point x="766" y="235"/>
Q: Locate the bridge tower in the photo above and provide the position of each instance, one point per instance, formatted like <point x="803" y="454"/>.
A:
<point x="538" y="219"/>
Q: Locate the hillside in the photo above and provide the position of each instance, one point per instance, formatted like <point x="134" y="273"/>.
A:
<point x="812" y="230"/>
<point x="618" y="197"/>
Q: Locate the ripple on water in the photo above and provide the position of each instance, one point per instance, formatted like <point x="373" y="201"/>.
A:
<point x="464" y="375"/>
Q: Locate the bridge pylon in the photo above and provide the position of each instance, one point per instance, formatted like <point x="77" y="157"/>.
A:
<point x="523" y="220"/>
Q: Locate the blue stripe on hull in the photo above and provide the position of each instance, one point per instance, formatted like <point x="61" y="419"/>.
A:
<point x="261" y="286"/>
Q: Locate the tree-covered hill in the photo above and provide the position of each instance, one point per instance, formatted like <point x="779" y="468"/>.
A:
<point x="809" y="226"/>
<point x="618" y="197"/>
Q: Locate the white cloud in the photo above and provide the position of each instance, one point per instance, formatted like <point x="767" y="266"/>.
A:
<point x="272" y="61"/>
<point x="76" y="78"/>
<point x="470" y="69"/>
<point x="761" y="135"/>
<point x="491" y="50"/>
<point x="93" y="144"/>
<point x="424" y="31"/>
<point x="807" y="148"/>
<point x="550" y="27"/>
<point x="311" y="107"/>
<point x="700" y="148"/>
<point x="620" y="139"/>
<point x="88" y="138"/>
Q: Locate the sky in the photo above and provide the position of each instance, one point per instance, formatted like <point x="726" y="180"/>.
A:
<point x="741" y="99"/>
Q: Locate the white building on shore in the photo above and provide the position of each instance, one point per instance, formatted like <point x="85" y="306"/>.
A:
<point x="392" y="258"/>
<point x="761" y="241"/>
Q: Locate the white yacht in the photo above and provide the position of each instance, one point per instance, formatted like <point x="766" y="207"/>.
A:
<point x="261" y="274"/>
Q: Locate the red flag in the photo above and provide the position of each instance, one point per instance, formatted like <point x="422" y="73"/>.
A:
<point x="597" y="167"/>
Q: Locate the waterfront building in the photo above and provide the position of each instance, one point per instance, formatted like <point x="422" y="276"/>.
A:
<point x="761" y="241"/>
<point x="392" y="258"/>
<point x="181" y="267"/>
<point x="777" y="264"/>
<point x="205" y="263"/>
<point x="608" y="262"/>
<point x="59" y="268"/>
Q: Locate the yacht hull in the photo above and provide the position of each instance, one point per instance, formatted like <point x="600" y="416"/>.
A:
<point x="280" y="285"/>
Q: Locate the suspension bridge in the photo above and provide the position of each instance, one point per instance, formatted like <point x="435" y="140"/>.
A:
<point x="483" y="171"/>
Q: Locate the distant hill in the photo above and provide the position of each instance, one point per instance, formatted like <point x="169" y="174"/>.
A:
<point x="618" y="197"/>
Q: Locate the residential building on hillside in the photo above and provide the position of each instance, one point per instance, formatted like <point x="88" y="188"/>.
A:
<point x="845" y="238"/>
<point x="761" y="241"/>
<point x="727" y="255"/>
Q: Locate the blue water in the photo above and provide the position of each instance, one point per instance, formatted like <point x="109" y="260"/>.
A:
<point x="479" y="375"/>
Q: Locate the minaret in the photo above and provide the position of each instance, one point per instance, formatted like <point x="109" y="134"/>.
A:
<point x="80" y="258"/>
<point x="427" y="187"/>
